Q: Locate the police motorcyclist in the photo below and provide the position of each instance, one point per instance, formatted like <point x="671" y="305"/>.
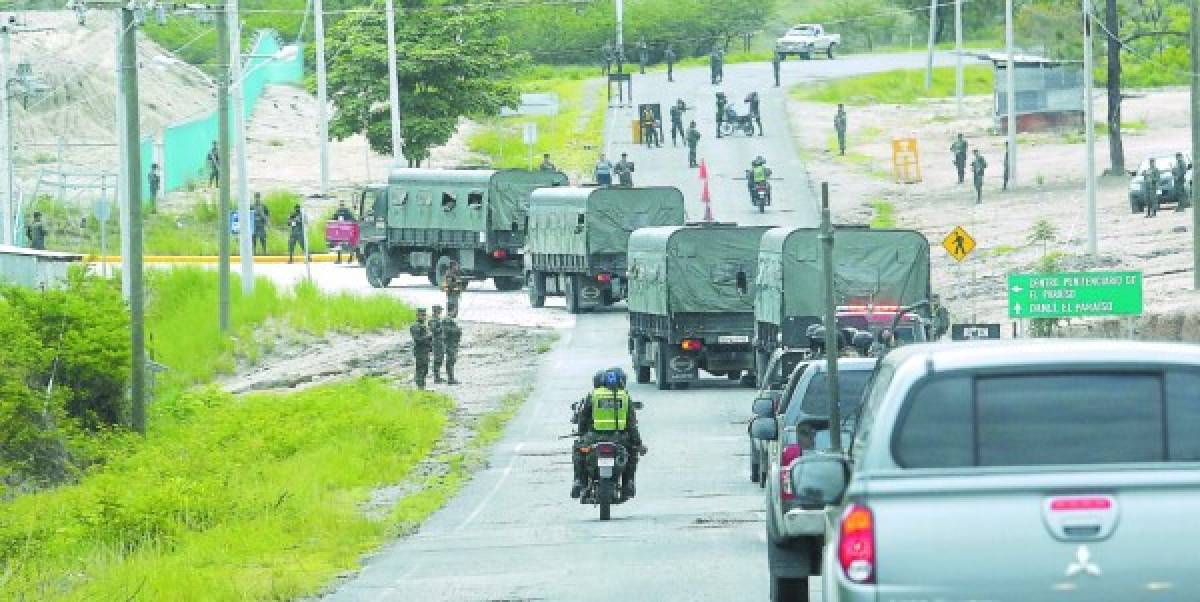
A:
<point x="758" y="173"/>
<point x="607" y="413"/>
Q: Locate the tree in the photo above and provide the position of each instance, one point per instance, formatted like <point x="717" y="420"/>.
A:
<point x="450" y="64"/>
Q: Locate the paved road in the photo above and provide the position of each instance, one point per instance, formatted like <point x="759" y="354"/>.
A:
<point x="695" y="530"/>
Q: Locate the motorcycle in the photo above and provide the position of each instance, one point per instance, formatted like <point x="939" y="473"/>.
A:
<point x="606" y="462"/>
<point x="760" y="192"/>
<point x="737" y="123"/>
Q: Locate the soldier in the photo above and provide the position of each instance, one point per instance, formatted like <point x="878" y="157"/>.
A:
<point x="1179" y="175"/>
<point x="603" y="171"/>
<point x="978" y="166"/>
<point x="885" y="343"/>
<point x="452" y="336"/>
<point x="775" y="60"/>
<point x="643" y="55"/>
<point x="154" y="179"/>
<point x="422" y="343"/>
<point x="677" y="110"/>
<point x="296" y="233"/>
<point x="716" y="65"/>
<point x="755" y="110"/>
<point x="454" y="285"/>
<point x="669" y="55"/>
<point x="35" y="231"/>
<point x="959" y="150"/>
<point x="650" y="128"/>
<point x="693" y="138"/>
<point x="624" y="172"/>
<point x="606" y="56"/>
<point x="438" y="343"/>
<point x="546" y="164"/>
<point x="214" y="166"/>
<point x="261" y="215"/>
<point x="721" y="101"/>
<point x="1150" y="189"/>
<point x="839" y="124"/>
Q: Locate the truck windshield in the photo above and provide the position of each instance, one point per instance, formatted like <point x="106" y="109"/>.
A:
<point x="1051" y="419"/>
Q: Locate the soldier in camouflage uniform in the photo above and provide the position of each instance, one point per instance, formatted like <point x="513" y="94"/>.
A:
<point x="422" y="343"/>
<point x="438" y="343"/>
<point x="454" y="285"/>
<point x="451" y="337"/>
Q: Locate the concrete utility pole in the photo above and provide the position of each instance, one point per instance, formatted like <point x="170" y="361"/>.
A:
<point x="393" y="81"/>
<point x="958" y="55"/>
<point x="223" y="168"/>
<point x="832" y="335"/>
<point x="1089" y="127"/>
<point x="932" y="33"/>
<point x="133" y="195"/>
<point x="322" y="95"/>
<point x="123" y="166"/>
<point x="245" y="220"/>
<point x="6" y="142"/>
<point x="1195" y="48"/>
<point x="1012" y="94"/>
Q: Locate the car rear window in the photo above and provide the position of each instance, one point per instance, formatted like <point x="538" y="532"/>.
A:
<point x="1049" y="419"/>
<point x="816" y="397"/>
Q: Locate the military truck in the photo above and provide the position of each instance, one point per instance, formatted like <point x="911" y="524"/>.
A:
<point x="691" y="302"/>
<point x="577" y="242"/>
<point x="878" y="274"/>
<point x="424" y="219"/>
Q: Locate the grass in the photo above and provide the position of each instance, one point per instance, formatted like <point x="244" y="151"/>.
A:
<point x="573" y="137"/>
<point x="885" y="215"/>
<point x="901" y="86"/>
<point x="182" y="321"/>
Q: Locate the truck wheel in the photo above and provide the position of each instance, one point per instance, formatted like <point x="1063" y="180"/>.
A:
<point x="537" y="289"/>
<point x="830" y="51"/>
<point x="1134" y="206"/>
<point x="661" y="367"/>
<point x="786" y="589"/>
<point x="643" y="374"/>
<point x="377" y="270"/>
<point x="571" y="292"/>
<point x="507" y="283"/>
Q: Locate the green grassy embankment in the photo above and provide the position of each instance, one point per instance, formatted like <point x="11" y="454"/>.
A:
<point x="901" y="86"/>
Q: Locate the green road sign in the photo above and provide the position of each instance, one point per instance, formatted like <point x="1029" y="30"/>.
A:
<point x="1074" y="294"/>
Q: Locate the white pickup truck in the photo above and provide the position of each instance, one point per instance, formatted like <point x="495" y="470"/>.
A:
<point x="807" y="39"/>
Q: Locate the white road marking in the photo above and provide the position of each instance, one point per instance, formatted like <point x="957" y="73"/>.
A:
<point x="495" y="488"/>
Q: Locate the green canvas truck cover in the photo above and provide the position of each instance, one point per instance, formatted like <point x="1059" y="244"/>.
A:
<point x="591" y="221"/>
<point x="463" y="199"/>
<point x="693" y="269"/>
<point x="887" y="267"/>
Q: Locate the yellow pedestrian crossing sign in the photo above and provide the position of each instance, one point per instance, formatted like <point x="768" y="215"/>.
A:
<point x="958" y="243"/>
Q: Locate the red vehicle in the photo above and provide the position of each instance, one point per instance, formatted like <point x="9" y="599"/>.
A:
<point x="342" y="236"/>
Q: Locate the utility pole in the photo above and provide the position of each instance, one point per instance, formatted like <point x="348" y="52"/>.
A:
<point x="6" y="133"/>
<point x="1089" y="127"/>
<point x="223" y="167"/>
<point x="123" y="167"/>
<point x="245" y="220"/>
<point x="832" y="335"/>
<point x="322" y="98"/>
<point x="958" y="52"/>
<point x="932" y="33"/>
<point x="620" y="36"/>
<point x="1195" y="48"/>
<point x="1011" y="74"/>
<point x="133" y="195"/>
<point x="393" y="81"/>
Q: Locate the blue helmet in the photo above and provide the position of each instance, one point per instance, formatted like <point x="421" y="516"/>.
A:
<point x="614" y="378"/>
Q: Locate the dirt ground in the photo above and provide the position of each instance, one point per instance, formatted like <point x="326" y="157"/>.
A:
<point x="494" y="361"/>
<point x="1051" y="168"/>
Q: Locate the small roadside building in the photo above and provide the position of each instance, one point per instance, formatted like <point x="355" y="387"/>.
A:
<point x="31" y="268"/>
<point x="1049" y="93"/>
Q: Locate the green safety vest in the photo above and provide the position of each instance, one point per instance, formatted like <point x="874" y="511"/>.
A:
<point x="760" y="173"/>
<point x="610" y="409"/>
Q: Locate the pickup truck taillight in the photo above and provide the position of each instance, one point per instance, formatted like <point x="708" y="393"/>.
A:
<point x="790" y="452"/>
<point x="856" y="544"/>
<point x="691" y="345"/>
<point x="500" y="254"/>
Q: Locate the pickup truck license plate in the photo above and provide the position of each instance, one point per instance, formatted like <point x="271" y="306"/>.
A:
<point x="606" y="462"/>
<point x="733" y="339"/>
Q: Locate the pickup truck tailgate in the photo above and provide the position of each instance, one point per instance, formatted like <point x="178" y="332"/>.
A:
<point x="1114" y="533"/>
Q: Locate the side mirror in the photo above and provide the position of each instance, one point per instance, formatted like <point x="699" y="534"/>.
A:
<point x="764" y="429"/>
<point x="764" y="407"/>
<point x="820" y="479"/>
<point x="637" y="405"/>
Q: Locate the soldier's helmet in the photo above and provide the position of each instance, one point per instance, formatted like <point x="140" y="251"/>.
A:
<point x="598" y="379"/>
<point x="614" y="378"/>
<point x="437" y="308"/>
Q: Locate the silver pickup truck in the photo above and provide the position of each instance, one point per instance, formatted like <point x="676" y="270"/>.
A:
<point x="1019" y="470"/>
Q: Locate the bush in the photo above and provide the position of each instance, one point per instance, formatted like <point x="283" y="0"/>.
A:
<point x="901" y="86"/>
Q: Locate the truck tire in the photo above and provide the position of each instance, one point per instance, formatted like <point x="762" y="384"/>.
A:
<point x="571" y="292"/>
<point x="378" y="275"/>
<point x="643" y="374"/>
<point x="1135" y="206"/>
<point x="507" y="283"/>
<point x="537" y="289"/>
<point x="830" y="52"/>
<point x="661" y="368"/>
<point x="787" y="589"/>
